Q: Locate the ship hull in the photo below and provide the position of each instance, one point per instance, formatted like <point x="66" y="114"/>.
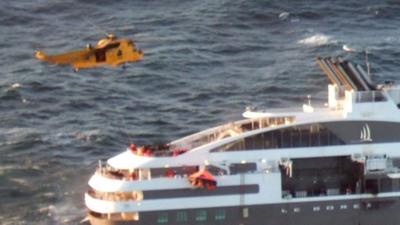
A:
<point x="373" y="211"/>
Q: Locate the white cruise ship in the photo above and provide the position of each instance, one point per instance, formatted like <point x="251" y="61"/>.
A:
<point x="331" y="165"/>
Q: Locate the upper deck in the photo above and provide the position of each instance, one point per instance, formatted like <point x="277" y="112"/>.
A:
<point x="354" y="93"/>
<point x="351" y="97"/>
<point x="231" y="129"/>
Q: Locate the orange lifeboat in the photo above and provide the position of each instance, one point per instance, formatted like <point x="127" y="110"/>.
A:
<point x="203" y="179"/>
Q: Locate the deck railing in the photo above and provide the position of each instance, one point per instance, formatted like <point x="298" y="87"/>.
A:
<point x="229" y="130"/>
<point x="369" y="96"/>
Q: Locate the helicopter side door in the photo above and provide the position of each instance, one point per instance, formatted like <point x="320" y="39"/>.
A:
<point x="101" y="53"/>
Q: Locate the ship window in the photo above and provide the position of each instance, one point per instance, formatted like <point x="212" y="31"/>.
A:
<point x="356" y="206"/>
<point x="371" y="186"/>
<point x="190" y="192"/>
<point x="305" y="138"/>
<point x="295" y="138"/>
<point x="315" y="139"/>
<point x="162" y="218"/>
<point x="201" y="215"/>
<point x="220" y="214"/>
<point x="317" y="134"/>
<point x="316" y="208"/>
<point x="245" y="212"/>
<point x="216" y="170"/>
<point x="181" y="216"/>
<point x="236" y="168"/>
<point x="283" y="139"/>
<point x="324" y="137"/>
<point x="386" y="185"/>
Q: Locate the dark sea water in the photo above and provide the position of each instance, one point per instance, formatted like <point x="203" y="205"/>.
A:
<point x="204" y="62"/>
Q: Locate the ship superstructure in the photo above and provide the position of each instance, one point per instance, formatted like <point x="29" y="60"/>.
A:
<point x="336" y="164"/>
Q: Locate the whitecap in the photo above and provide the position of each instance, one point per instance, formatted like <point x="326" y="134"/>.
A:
<point x="284" y="15"/>
<point x="16" y="85"/>
<point x="17" y="135"/>
<point x="49" y="194"/>
<point x="348" y="49"/>
<point x="64" y="212"/>
<point x="21" y="182"/>
<point x="44" y="209"/>
<point x="317" y="40"/>
<point x="3" y="169"/>
<point x="90" y="135"/>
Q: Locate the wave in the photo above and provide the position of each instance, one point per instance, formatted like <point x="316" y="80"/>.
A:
<point x="284" y="15"/>
<point x="317" y="40"/>
<point x="64" y="213"/>
<point x="89" y="135"/>
<point x="19" y="135"/>
<point x="15" y="85"/>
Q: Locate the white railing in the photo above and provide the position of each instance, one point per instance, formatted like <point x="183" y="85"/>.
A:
<point x="228" y="130"/>
<point x="369" y="96"/>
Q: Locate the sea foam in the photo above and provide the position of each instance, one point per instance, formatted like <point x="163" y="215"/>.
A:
<point x="317" y="40"/>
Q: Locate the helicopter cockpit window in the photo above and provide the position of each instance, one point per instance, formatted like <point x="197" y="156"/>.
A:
<point x="112" y="45"/>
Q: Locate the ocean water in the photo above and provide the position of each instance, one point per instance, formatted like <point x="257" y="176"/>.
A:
<point x="204" y="62"/>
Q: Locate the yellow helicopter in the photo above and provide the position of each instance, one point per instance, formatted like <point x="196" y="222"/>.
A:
<point x="108" y="51"/>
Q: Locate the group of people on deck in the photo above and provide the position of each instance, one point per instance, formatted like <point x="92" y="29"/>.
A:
<point x="148" y="150"/>
<point x="145" y="150"/>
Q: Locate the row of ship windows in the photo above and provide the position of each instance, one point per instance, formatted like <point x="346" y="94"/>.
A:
<point x="200" y="216"/>
<point x="310" y="135"/>
<point x="220" y="214"/>
<point x="327" y="208"/>
<point x="314" y="135"/>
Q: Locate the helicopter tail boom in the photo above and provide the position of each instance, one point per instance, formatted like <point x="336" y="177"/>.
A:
<point x="64" y="58"/>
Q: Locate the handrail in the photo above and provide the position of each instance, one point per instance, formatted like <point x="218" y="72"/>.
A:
<point x="369" y="96"/>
